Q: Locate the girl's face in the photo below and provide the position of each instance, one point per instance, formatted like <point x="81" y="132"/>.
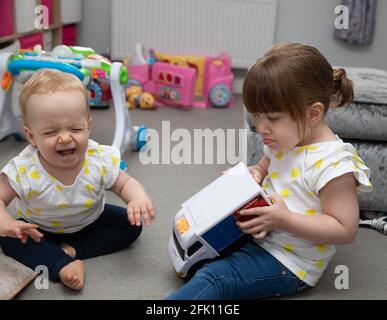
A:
<point x="278" y="130"/>
<point x="58" y="124"/>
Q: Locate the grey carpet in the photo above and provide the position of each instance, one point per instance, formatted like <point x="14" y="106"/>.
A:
<point x="143" y="271"/>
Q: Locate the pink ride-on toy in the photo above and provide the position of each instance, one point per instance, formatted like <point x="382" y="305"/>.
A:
<point x="183" y="81"/>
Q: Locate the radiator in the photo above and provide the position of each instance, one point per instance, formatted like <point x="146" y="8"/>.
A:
<point x="243" y="28"/>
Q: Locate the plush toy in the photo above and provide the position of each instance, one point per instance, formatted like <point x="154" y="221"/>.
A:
<point x="137" y="98"/>
<point x="132" y="92"/>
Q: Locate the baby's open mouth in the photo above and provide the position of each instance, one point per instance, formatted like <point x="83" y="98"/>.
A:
<point x="67" y="152"/>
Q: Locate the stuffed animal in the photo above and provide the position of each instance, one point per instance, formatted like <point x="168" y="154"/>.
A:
<point x="137" y="98"/>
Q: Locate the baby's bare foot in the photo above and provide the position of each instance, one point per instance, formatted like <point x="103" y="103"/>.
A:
<point x="68" y="249"/>
<point x="72" y="275"/>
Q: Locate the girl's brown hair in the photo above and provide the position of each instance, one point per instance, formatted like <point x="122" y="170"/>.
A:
<point x="291" y="77"/>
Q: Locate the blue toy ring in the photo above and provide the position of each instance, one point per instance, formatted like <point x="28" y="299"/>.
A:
<point x="16" y="66"/>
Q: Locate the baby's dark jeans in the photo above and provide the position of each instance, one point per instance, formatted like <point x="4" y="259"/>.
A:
<point x="111" y="232"/>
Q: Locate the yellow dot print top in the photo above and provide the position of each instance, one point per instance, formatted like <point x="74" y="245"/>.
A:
<point x="298" y="176"/>
<point x="55" y="207"/>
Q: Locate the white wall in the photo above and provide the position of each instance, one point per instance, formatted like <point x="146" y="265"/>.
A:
<point x="312" y="22"/>
<point x="94" y="30"/>
<point x="308" y="21"/>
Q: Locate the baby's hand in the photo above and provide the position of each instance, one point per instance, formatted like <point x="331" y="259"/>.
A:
<point x="255" y="173"/>
<point x="19" y="229"/>
<point x="141" y="207"/>
<point x="266" y="218"/>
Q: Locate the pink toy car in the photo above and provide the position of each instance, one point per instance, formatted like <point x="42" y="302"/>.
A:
<point x="184" y="81"/>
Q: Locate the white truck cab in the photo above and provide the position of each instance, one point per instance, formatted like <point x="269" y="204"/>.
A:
<point x="205" y="227"/>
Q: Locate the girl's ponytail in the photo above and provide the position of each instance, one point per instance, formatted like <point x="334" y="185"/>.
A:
<point x="343" y="89"/>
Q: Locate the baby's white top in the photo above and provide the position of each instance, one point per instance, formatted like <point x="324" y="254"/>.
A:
<point x="55" y="207"/>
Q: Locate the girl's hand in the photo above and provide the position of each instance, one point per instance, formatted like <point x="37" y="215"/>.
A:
<point x="19" y="229"/>
<point x="141" y="207"/>
<point x="267" y="218"/>
<point x="255" y="173"/>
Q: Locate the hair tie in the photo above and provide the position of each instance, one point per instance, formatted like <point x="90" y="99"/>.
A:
<point x="338" y="75"/>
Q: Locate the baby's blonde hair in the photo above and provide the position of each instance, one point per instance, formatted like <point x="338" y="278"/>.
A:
<point x="49" y="81"/>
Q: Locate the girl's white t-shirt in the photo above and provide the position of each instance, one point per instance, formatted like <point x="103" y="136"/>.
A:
<point x="298" y="176"/>
<point x="55" y="207"/>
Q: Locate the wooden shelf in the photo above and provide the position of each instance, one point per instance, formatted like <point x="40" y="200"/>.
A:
<point x="55" y="27"/>
<point x="7" y="38"/>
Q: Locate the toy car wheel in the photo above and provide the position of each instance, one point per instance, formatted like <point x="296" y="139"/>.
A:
<point x="174" y="95"/>
<point x="140" y="137"/>
<point x="195" y="267"/>
<point x="123" y="165"/>
<point x="220" y="96"/>
<point x="95" y="94"/>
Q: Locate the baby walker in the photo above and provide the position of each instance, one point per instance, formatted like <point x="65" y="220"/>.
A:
<point x="80" y="61"/>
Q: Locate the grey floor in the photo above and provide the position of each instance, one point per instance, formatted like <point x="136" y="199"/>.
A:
<point x="143" y="271"/>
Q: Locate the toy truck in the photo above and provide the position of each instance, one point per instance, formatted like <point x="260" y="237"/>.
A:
<point x="205" y="227"/>
<point x="183" y="81"/>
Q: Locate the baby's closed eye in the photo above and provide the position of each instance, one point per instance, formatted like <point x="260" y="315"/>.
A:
<point x="49" y="132"/>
